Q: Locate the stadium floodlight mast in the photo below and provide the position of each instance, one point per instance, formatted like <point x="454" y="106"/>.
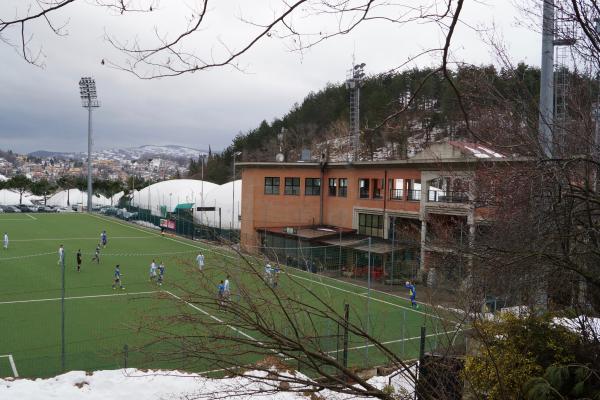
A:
<point x="89" y="100"/>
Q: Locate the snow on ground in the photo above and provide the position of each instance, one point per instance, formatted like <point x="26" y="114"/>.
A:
<point x="159" y="385"/>
<point x="586" y="326"/>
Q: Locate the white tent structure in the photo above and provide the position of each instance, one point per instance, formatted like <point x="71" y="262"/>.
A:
<point x="222" y="197"/>
<point x="11" y="198"/>
<point x="72" y="197"/>
<point x="172" y="192"/>
<point x="116" y="197"/>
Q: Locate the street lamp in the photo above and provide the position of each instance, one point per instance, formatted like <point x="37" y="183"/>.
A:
<point x="89" y="100"/>
<point x="235" y="154"/>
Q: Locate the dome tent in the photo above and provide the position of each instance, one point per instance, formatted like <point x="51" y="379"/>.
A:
<point x="171" y="193"/>
<point x="71" y="197"/>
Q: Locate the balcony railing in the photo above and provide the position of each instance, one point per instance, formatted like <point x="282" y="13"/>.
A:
<point x="439" y="196"/>
<point x="396" y="194"/>
<point x="414" y="195"/>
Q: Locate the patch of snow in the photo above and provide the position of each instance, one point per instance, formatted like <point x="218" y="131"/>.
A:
<point x="162" y="385"/>
<point x="588" y="327"/>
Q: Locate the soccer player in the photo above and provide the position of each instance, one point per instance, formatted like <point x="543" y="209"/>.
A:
<point x="79" y="260"/>
<point x="221" y="292"/>
<point x="152" y="271"/>
<point x="61" y="254"/>
<point x="200" y="261"/>
<point x="97" y="254"/>
<point x="117" y="275"/>
<point x="269" y="273"/>
<point x="413" y="294"/>
<point x="275" y="273"/>
<point x="226" y="291"/>
<point x="103" y="239"/>
<point x="5" y="241"/>
<point x="161" y="273"/>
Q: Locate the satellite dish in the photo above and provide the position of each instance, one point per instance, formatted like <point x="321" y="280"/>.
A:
<point x="280" y="157"/>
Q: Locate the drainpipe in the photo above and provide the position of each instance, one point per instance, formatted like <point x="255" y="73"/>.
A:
<point x="321" y="196"/>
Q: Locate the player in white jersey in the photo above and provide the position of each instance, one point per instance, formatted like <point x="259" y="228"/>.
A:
<point x="5" y="240"/>
<point x="200" y="261"/>
<point x="153" y="271"/>
<point x="61" y="254"/>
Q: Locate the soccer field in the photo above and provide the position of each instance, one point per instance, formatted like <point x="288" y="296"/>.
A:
<point x="100" y="322"/>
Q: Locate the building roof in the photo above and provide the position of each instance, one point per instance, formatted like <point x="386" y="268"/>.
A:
<point x="447" y="152"/>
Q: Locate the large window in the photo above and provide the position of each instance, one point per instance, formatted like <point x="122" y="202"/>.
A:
<point x="343" y="187"/>
<point x="271" y="185"/>
<point x="292" y="186"/>
<point x="312" y="186"/>
<point x="396" y="189"/>
<point x="370" y="225"/>
<point x="363" y="188"/>
<point x="378" y="188"/>
<point x="332" y="187"/>
<point x="414" y="189"/>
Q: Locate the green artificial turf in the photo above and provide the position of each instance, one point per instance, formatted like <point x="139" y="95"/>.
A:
<point x="100" y="321"/>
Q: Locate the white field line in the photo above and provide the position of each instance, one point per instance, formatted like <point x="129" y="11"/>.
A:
<point x="221" y="322"/>
<point x="78" y="297"/>
<point x="297" y="276"/>
<point x="78" y="238"/>
<point x="14" y="219"/>
<point x="339" y="350"/>
<point x="13" y="366"/>
<point x="32" y="217"/>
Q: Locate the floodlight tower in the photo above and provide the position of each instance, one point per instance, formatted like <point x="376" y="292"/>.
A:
<point x="354" y="83"/>
<point x="547" y="79"/>
<point x="89" y="100"/>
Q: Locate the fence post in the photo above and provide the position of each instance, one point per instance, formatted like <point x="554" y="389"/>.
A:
<point x="368" y="300"/>
<point x="346" y="322"/>
<point x="125" y="354"/>
<point x="62" y="314"/>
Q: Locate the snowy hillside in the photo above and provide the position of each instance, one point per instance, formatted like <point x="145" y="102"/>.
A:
<point x="129" y="153"/>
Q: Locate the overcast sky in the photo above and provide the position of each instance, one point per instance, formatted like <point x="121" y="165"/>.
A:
<point x="40" y="107"/>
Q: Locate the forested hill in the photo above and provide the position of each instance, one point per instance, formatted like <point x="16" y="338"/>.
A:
<point x="320" y="122"/>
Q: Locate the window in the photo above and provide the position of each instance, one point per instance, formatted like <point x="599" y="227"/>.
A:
<point x="378" y="188"/>
<point x="312" y="186"/>
<point x="271" y="185"/>
<point x="332" y="187"/>
<point x="414" y="189"/>
<point x="370" y="225"/>
<point x="292" y="186"/>
<point x="343" y="187"/>
<point x="396" y="189"/>
<point x="363" y="188"/>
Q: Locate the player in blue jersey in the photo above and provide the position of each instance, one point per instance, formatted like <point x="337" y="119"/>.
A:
<point x="117" y="275"/>
<point x="161" y="273"/>
<point x="221" y="293"/>
<point x="413" y="294"/>
<point x="103" y="239"/>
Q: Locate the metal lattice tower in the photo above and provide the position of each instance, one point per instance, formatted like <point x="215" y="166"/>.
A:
<point x="354" y="82"/>
<point x="564" y="39"/>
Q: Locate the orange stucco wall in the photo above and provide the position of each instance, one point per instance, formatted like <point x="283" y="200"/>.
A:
<point x="261" y="210"/>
